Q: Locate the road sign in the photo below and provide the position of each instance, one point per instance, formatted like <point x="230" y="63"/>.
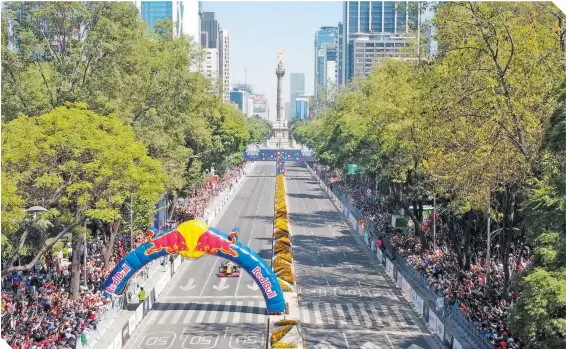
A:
<point x="370" y="345"/>
<point x="324" y="345"/>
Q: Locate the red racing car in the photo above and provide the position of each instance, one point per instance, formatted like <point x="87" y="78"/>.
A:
<point x="228" y="269"/>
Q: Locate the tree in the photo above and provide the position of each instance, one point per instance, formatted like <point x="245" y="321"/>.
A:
<point x="78" y="165"/>
<point x="258" y="128"/>
<point x="540" y="314"/>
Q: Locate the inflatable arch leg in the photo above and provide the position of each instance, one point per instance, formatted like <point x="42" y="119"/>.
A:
<point x="192" y="240"/>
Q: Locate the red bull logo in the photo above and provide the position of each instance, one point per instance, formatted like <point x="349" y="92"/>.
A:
<point x="172" y="242"/>
<point x="117" y="278"/>
<point x="265" y="283"/>
<point x="211" y="243"/>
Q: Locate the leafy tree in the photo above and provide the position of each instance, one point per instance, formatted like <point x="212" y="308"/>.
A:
<point x="78" y="165"/>
<point x="258" y="128"/>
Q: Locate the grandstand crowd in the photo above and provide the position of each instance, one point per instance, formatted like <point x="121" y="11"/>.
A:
<point x="37" y="308"/>
<point x="482" y="301"/>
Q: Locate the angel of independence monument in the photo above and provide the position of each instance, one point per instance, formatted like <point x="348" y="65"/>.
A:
<point x="280" y="147"/>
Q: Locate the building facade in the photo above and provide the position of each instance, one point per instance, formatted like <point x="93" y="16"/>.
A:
<point x="240" y="98"/>
<point x="210" y="68"/>
<point x="297" y="89"/>
<point x="184" y="14"/>
<point x="301" y="108"/>
<point x="224" y="68"/>
<point x="243" y="87"/>
<point x="324" y="37"/>
<point x="210" y="31"/>
<point x="250" y="107"/>
<point x="383" y="27"/>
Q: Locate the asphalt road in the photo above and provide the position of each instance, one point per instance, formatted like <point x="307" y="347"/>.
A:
<point x="346" y="301"/>
<point x="200" y="310"/>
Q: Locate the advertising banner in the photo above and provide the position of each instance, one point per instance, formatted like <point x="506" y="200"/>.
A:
<point x="420" y="305"/>
<point x="379" y="255"/>
<point x="132" y="323"/>
<point x="439" y="303"/>
<point x="366" y="238"/>
<point x="118" y="341"/>
<point x="125" y="332"/>
<point x="432" y="319"/>
<point x="440" y="329"/>
<point x="139" y="314"/>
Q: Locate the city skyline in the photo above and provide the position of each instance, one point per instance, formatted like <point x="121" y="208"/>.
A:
<point x="261" y="29"/>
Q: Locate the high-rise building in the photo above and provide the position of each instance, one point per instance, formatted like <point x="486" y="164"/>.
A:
<point x="210" y="68"/>
<point x="184" y="14"/>
<point x="210" y="31"/>
<point x="250" y="107"/>
<point x="339" y="74"/>
<point x="243" y="87"/>
<point x="373" y="29"/>
<point x="224" y="69"/>
<point x="240" y="98"/>
<point x="301" y="108"/>
<point x="324" y="37"/>
<point x="297" y="89"/>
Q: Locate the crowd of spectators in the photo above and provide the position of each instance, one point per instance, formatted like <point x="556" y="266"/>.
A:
<point x="38" y="310"/>
<point x="482" y="300"/>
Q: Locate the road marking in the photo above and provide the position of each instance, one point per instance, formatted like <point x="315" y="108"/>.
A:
<point x="250" y="314"/>
<point x="329" y="314"/>
<point x="351" y="267"/>
<point x="190" y="313"/>
<point x="208" y="277"/>
<point x="346" y="340"/>
<point x="202" y="313"/>
<point x="306" y="316"/>
<point x="341" y="314"/>
<point x="375" y="315"/>
<point x="177" y="315"/>
<point x="317" y="315"/>
<point x="353" y="315"/>
<point x="166" y="313"/>
<point x="225" y="314"/>
<point x="153" y="316"/>
<point x="261" y="317"/>
<point x="365" y="315"/>
<point x="214" y="312"/>
<point x="237" y="314"/>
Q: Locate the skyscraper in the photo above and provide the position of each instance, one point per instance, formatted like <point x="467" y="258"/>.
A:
<point x="297" y="89"/>
<point x="324" y="37"/>
<point x="373" y="29"/>
<point x="224" y="62"/>
<point x="184" y="14"/>
<point x="210" y="30"/>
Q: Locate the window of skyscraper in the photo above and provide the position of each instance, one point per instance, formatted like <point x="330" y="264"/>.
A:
<point x="376" y="21"/>
<point x="353" y="17"/>
<point x="389" y="17"/>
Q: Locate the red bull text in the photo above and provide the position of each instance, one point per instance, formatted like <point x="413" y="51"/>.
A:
<point x="117" y="278"/>
<point x="211" y="243"/>
<point x="264" y="283"/>
<point x="172" y="242"/>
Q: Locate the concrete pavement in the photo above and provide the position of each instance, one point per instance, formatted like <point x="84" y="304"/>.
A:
<point x="200" y="310"/>
<point x="345" y="300"/>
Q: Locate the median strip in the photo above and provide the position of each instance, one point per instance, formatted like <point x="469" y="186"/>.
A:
<point x="283" y="255"/>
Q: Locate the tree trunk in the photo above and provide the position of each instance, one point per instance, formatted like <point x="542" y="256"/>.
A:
<point x="467" y="240"/>
<point x="44" y="249"/>
<point x="76" y="268"/>
<point x="114" y="227"/>
<point x="173" y="206"/>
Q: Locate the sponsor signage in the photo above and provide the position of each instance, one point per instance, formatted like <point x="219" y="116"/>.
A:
<point x="118" y="277"/>
<point x="264" y="283"/>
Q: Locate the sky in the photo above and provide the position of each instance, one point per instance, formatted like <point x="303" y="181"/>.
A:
<point x="258" y="30"/>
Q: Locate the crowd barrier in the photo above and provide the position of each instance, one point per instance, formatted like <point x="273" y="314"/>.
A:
<point x="108" y="319"/>
<point x="427" y="302"/>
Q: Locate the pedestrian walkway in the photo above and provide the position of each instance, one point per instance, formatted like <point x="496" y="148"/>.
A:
<point x="208" y="312"/>
<point x="371" y="315"/>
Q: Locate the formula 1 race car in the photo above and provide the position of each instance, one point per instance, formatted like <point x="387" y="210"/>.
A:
<point x="228" y="269"/>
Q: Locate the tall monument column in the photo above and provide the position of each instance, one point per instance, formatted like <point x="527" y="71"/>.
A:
<point x="280" y="72"/>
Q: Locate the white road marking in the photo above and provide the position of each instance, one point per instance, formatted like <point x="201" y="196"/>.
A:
<point x="237" y="314"/>
<point x="341" y="314"/>
<point x="177" y="316"/>
<point x="365" y="315"/>
<point x="249" y="316"/>
<point x="346" y="340"/>
<point x="202" y="313"/>
<point x="375" y="314"/>
<point x="214" y="312"/>
<point x="166" y="313"/>
<point x="317" y="315"/>
<point x="306" y="316"/>
<point x="209" y="297"/>
<point x="329" y="314"/>
<point x="225" y="314"/>
<point x="353" y="315"/>
<point x="190" y="313"/>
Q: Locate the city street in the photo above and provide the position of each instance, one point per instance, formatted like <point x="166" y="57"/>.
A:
<point x="345" y="300"/>
<point x="200" y="310"/>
